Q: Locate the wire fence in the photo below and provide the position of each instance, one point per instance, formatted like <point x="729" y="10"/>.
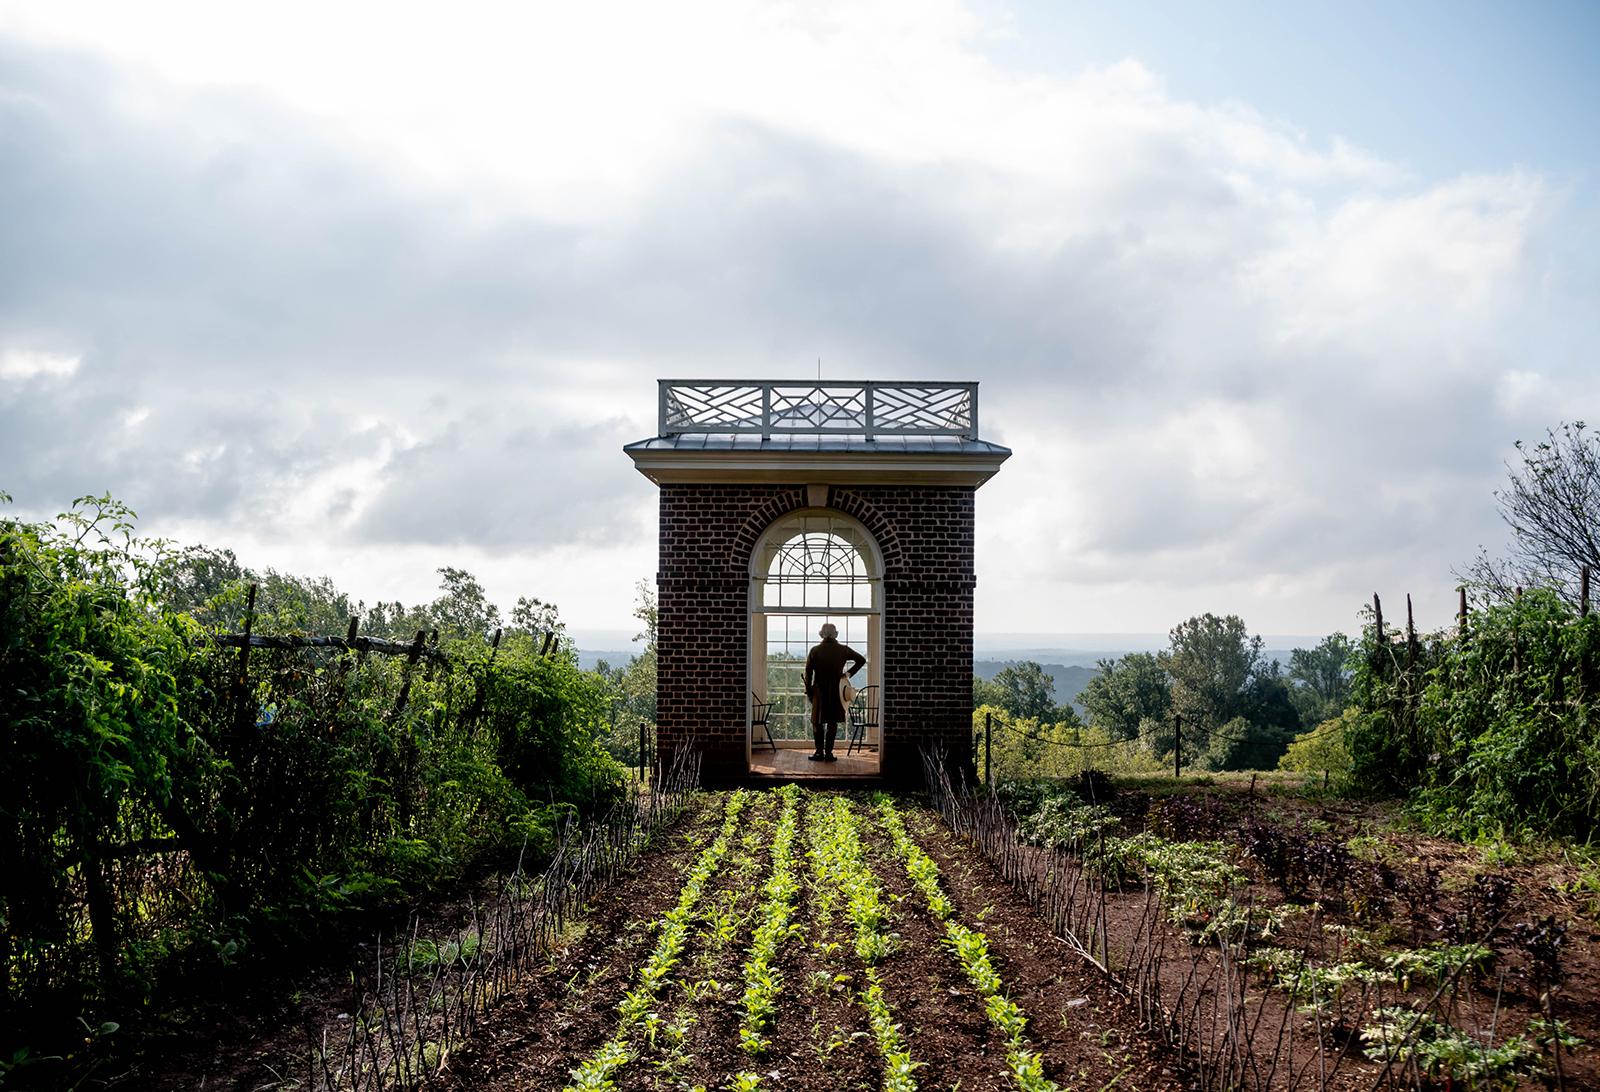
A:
<point x="426" y="992"/>
<point x="1232" y="1025"/>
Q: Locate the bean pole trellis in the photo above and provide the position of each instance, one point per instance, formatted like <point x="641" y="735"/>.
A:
<point x="1230" y="1029"/>
<point x="425" y="993"/>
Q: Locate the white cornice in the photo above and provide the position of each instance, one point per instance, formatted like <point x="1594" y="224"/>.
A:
<point x="667" y="467"/>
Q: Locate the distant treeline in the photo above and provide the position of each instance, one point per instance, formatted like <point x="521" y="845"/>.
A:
<point x="1213" y="696"/>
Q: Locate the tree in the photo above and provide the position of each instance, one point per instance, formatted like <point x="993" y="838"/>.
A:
<point x="1319" y="679"/>
<point x="1210" y="663"/>
<point x="1126" y="693"/>
<point x="464" y="610"/>
<point x="985" y="692"/>
<point x="1025" y="691"/>
<point x="1552" y="505"/>
<point x="197" y="577"/>
<point x="633" y="685"/>
<point x="1238" y="712"/>
<point x="1322" y="750"/>
<point x="1270" y="720"/>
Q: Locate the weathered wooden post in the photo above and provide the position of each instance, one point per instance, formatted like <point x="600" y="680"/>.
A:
<point x="1411" y="675"/>
<point x="412" y="655"/>
<point x="641" y="754"/>
<point x="1583" y="592"/>
<point x="1177" y="745"/>
<point x="1461" y="611"/>
<point x="988" y="727"/>
<point x="1516" y="640"/>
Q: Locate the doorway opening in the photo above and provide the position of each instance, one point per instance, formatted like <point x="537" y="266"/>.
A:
<point x="812" y="567"/>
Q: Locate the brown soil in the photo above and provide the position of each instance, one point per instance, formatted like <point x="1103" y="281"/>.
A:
<point x="1393" y="903"/>
<point x="533" y="1039"/>
<point x="820" y="1039"/>
<point x="1083" y="1028"/>
<point x="256" y="1039"/>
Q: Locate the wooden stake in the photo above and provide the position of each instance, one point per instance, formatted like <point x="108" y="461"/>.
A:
<point x="988" y="727"/>
<point x="249" y="621"/>
<point x="1461" y="611"/>
<point x="405" y="687"/>
<point x="1177" y="745"/>
<point x="1516" y="642"/>
<point x="1583" y="592"/>
<point x="241" y="709"/>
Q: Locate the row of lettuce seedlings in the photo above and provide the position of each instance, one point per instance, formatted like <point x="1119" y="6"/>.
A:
<point x="840" y="871"/>
<point x="597" y="1072"/>
<point x="971" y="949"/>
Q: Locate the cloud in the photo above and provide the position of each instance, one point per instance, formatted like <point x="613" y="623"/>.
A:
<point x="470" y="485"/>
<point x="336" y="300"/>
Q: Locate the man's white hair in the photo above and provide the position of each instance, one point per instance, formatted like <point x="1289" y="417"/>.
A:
<point x="828" y="630"/>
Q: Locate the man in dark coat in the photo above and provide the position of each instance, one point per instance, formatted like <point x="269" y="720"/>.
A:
<point x="825" y="670"/>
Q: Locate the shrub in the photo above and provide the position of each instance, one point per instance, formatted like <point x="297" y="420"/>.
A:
<point x="167" y="808"/>
<point x="1493" y="733"/>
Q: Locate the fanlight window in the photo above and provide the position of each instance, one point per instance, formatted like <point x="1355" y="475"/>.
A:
<point x="819" y="562"/>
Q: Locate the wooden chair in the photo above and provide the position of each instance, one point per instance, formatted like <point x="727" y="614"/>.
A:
<point x="759" y="712"/>
<point x="863" y="717"/>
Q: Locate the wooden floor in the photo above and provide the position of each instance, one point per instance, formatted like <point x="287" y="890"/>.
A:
<point x="792" y="762"/>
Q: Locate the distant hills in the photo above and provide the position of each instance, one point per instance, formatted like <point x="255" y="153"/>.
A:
<point x="1070" y="679"/>
<point x="1068" y="658"/>
<point x="1072" y="669"/>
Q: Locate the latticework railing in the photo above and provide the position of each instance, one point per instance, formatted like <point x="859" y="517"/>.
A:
<point x="770" y="407"/>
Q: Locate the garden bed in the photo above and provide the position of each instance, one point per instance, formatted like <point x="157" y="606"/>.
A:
<point x="867" y="989"/>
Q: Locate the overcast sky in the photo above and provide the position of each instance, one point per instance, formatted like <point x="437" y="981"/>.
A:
<point x="1259" y="295"/>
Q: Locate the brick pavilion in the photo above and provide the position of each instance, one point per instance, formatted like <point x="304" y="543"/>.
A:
<point x="788" y="504"/>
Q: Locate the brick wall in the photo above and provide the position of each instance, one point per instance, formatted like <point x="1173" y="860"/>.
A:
<point x="708" y="533"/>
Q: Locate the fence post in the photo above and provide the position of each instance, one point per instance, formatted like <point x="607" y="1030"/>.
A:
<point x="1583" y="612"/>
<point x="988" y="728"/>
<point x="1516" y="640"/>
<point x="242" y="714"/>
<point x="244" y="649"/>
<point x="412" y="655"/>
<point x="641" y="754"/>
<point x="1177" y="745"/>
<point x="1461" y="611"/>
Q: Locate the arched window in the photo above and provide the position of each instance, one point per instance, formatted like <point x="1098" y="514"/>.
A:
<point x="811" y="567"/>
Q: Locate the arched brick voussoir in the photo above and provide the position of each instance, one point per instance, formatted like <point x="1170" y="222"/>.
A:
<point x="877" y="524"/>
<point x="761" y="517"/>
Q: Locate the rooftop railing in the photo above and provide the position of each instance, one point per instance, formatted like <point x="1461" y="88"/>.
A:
<point x="770" y="407"/>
